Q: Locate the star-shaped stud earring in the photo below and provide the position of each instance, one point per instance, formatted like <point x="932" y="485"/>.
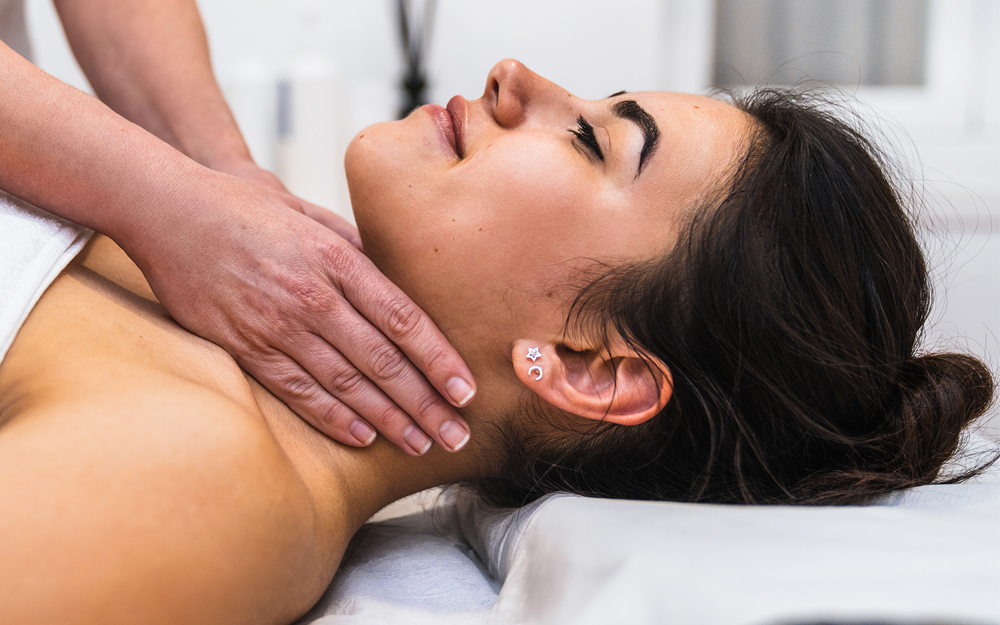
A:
<point x="533" y="354"/>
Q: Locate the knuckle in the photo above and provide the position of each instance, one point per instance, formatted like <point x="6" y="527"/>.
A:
<point x="337" y="257"/>
<point x="308" y="291"/>
<point x="436" y="356"/>
<point x="297" y="387"/>
<point x="347" y="381"/>
<point x="331" y="421"/>
<point x="429" y="405"/>
<point x="384" y="418"/>
<point x="310" y="401"/>
<point x="403" y="318"/>
<point x="387" y="363"/>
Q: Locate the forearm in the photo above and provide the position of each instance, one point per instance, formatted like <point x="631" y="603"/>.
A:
<point x="229" y="259"/>
<point x="149" y="61"/>
<point x="68" y="153"/>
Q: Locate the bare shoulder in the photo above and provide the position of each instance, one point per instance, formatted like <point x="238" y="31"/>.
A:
<point x="138" y="477"/>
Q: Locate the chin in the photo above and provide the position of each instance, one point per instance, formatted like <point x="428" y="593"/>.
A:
<point x="355" y="158"/>
<point x="363" y="161"/>
<point x="401" y="224"/>
<point x="371" y="180"/>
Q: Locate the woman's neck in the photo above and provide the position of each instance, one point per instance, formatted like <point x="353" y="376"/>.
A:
<point x="350" y="484"/>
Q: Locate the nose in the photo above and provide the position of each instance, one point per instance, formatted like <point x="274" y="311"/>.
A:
<point x="517" y="91"/>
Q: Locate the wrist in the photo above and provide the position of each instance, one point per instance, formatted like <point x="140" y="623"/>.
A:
<point x="228" y="160"/>
<point x="248" y="170"/>
<point x="164" y="199"/>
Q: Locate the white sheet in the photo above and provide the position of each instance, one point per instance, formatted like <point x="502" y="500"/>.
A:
<point x="929" y="554"/>
<point x="415" y="570"/>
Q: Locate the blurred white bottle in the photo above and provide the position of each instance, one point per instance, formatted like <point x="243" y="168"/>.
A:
<point x="251" y="89"/>
<point x="311" y="111"/>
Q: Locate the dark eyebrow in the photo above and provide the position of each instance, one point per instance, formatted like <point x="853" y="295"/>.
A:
<point x="630" y="110"/>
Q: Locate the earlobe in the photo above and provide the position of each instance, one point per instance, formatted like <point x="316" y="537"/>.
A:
<point x="625" y="389"/>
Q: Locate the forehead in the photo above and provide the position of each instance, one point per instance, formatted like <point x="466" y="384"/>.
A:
<point x="686" y="118"/>
<point x="669" y="102"/>
<point x="700" y="140"/>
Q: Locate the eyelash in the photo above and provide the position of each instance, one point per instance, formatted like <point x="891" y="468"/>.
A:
<point x="585" y="133"/>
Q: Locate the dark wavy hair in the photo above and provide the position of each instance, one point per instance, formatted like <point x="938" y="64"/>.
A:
<point x="789" y="313"/>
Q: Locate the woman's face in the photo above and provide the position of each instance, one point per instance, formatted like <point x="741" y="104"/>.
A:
<point x="481" y="211"/>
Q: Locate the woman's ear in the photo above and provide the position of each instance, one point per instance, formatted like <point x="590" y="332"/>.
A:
<point x="621" y="388"/>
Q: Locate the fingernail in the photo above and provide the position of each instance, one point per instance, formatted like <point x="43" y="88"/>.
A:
<point x="454" y="435"/>
<point x="363" y="432"/>
<point x="416" y="439"/>
<point x="460" y="391"/>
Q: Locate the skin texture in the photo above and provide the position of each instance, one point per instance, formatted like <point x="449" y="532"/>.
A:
<point x="230" y="256"/>
<point x="146" y="478"/>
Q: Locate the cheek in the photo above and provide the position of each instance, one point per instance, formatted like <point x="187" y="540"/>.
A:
<point x="523" y="218"/>
<point x="499" y="237"/>
<point x="463" y="240"/>
<point x="527" y="196"/>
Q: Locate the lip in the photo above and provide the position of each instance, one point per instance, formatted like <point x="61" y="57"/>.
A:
<point x="446" y="127"/>
<point x="458" y="109"/>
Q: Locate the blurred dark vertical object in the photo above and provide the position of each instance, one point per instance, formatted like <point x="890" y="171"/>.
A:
<point x="415" y="35"/>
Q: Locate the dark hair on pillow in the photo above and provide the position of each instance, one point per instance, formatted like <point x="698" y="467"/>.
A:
<point x="789" y="314"/>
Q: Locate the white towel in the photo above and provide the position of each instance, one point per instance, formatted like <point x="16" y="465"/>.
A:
<point x="34" y="247"/>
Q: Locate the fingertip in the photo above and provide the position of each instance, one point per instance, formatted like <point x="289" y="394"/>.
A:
<point x="460" y="392"/>
<point x="417" y="440"/>
<point x="363" y="433"/>
<point x="454" y="434"/>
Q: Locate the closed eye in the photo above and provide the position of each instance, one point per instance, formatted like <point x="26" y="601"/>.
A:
<point x="584" y="132"/>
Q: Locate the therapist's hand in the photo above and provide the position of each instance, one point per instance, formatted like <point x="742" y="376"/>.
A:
<point x="248" y="170"/>
<point x="307" y="314"/>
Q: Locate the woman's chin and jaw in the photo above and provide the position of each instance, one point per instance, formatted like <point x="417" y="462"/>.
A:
<point x="434" y="251"/>
<point x="396" y="175"/>
<point x="462" y="244"/>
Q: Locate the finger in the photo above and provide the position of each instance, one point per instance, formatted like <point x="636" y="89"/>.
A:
<point x="332" y="221"/>
<point x="348" y="384"/>
<point x="307" y="398"/>
<point x="388" y="368"/>
<point x="405" y="325"/>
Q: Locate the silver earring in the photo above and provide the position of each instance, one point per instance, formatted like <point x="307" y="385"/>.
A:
<point x="534" y="355"/>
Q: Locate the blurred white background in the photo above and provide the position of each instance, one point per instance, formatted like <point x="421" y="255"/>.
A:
<point x="929" y="69"/>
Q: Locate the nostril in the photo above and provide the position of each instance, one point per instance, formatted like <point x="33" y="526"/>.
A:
<point x="506" y="85"/>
